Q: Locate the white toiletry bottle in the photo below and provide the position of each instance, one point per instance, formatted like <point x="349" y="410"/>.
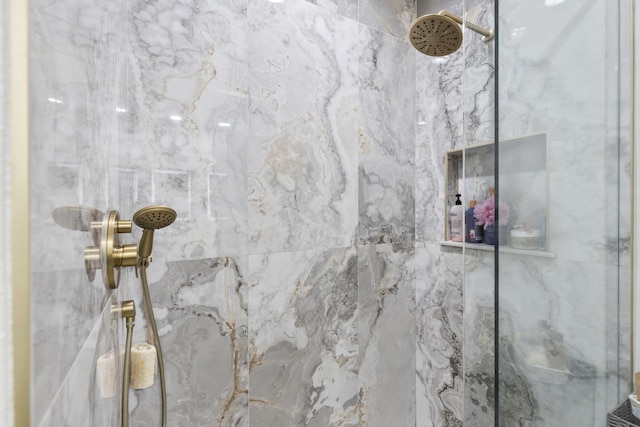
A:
<point x="455" y="218"/>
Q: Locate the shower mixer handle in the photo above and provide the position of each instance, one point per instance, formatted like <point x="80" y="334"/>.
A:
<point x="109" y="256"/>
<point x="91" y="262"/>
<point x="124" y="226"/>
<point x="126" y="255"/>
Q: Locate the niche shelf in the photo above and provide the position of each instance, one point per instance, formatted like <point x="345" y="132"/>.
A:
<point x="502" y="248"/>
<point x="524" y="187"/>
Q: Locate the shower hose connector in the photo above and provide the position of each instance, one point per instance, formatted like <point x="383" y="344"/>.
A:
<point x="128" y="312"/>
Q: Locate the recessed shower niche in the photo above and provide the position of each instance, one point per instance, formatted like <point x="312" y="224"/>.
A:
<point x="523" y="200"/>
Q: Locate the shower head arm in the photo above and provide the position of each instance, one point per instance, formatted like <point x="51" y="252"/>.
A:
<point x="488" y="35"/>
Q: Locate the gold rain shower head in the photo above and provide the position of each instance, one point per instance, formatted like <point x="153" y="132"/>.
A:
<point x="440" y="35"/>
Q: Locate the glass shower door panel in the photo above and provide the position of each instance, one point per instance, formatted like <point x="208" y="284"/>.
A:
<point x="76" y="124"/>
<point x="90" y="393"/>
<point x="563" y="353"/>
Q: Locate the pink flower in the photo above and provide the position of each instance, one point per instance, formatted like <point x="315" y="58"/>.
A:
<point x="485" y="212"/>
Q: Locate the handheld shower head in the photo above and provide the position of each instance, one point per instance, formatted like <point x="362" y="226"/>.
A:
<point x="150" y="219"/>
<point x="440" y="35"/>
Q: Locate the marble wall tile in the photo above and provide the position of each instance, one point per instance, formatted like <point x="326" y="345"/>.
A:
<point x="619" y="329"/>
<point x="304" y="338"/>
<point x="302" y="82"/>
<point x="172" y="127"/>
<point x="575" y="119"/>
<point x="440" y="334"/>
<point x="201" y="45"/>
<point x="546" y="341"/>
<point x="302" y="165"/>
<point x="558" y="338"/>
<point x="386" y="158"/>
<point x="74" y="84"/>
<point x="188" y="115"/>
<point x="122" y="189"/>
<point x="462" y="115"/>
<point x="434" y="6"/>
<point x="478" y="78"/>
<point x="479" y="339"/>
<point x="439" y="121"/>
<point x="386" y="335"/>
<point x="174" y="185"/>
<point x="346" y="8"/>
<point x="391" y="17"/>
<point x="583" y="142"/>
<point x="202" y="319"/>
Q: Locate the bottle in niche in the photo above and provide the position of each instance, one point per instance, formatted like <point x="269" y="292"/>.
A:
<point x="473" y="231"/>
<point x="455" y="220"/>
<point x="543" y="233"/>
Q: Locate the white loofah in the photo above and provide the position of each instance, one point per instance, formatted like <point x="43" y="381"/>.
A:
<point x="143" y="365"/>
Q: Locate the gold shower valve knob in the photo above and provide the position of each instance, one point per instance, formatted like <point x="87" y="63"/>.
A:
<point x="91" y="261"/>
<point x="124" y="226"/>
<point x="112" y="254"/>
<point x="92" y="257"/>
<point x="125" y="256"/>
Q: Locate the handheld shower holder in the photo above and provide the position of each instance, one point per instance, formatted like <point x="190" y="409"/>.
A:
<point x="126" y="310"/>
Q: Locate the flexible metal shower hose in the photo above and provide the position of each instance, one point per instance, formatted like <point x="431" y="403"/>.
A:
<point x="151" y="321"/>
<point x="127" y="373"/>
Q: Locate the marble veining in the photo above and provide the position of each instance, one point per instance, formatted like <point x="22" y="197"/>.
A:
<point x="479" y="339"/>
<point x="75" y="81"/>
<point x="187" y="111"/>
<point x="347" y="8"/>
<point x="541" y="297"/>
<point x="201" y="309"/>
<point x="386" y="335"/>
<point x="302" y="168"/>
<point x="391" y="17"/>
<point x="439" y="116"/>
<point x="304" y="338"/>
<point x="478" y="79"/>
<point x="439" y="325"/>
<point x="386" y="156"/>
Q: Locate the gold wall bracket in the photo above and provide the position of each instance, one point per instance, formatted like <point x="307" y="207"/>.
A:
<point x="126" y="309"/>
